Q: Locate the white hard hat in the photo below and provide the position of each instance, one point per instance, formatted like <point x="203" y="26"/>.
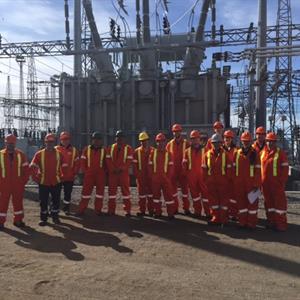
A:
<point x="216" y="138"/>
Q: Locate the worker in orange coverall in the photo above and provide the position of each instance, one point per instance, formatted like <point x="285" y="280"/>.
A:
<point x="14" y="174"/>
<point x="217" y="171"/>
<point x="119" y="158"/>
<point x="275" y="170"/>
<point x="47" y="167"/>
<point x="192" y="166"/>
<point x="94" y="169"/>
<point x="260" y="142"/>
<point x="140" y="163"/>
<point x="177" y="147"/>
<point x="161" y="169"/>
<point x="71" y="157"/>
<point x="230" y="148"/>
<point x="219" y="129"/>
<point x="247" y="178"/>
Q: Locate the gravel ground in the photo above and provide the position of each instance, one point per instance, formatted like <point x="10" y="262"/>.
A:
<point x="119" y="258"/>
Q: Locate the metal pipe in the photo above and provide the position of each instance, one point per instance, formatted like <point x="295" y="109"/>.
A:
<point x="261" y="68"/>
<point x="67" y="24"/>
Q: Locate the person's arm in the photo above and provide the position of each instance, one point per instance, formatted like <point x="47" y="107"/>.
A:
<point x="257" y="172"/>
<point x="135" y="163"/>
<point x="283" y="165"/>
<point x="83" y="160"/>
<point x="34" y="167"/>
<point x="25" y="168"/>
<point x="170" y="172"/>
<point x="76" y="164"/>
<point x="185" y="162"/>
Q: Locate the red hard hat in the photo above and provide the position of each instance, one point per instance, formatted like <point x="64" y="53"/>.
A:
<point x="65" y="135"/>
<point x="229" y="133"/>
<point x="194" y="134"/>
<point x="50" y="137"/>
<point x="260" y="130"/>
<point x="218" y="125"/>
<point x="176" y="127"/>
<point x="271" y="136"/>
<point x="10" y="139"/>
<point x="160" y="137"/>
<point x="246" y="137"/>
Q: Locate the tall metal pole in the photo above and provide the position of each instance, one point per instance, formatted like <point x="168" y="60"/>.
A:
<point x="77" y="38"/>
<point x="261" y="68"/>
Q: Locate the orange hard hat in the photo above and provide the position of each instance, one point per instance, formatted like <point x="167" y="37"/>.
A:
<point x="50" y="137"/>
<point x="229" y="133"/>
<point x="260" y="130"/>
<point x="65" y="135"/>
<point x="218" y="125"/>
<point x="246" y="137"/>
<point x="10" y="139"/>
<point x="160" y="137"/>
<point x="176" y="127"/>
<point x="194" y="134"/>
<point x="271" y="136"/>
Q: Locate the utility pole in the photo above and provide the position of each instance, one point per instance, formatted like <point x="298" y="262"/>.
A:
<point x="9" y="109"/>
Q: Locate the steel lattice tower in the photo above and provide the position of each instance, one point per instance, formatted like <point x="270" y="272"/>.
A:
<point x="9" y="109"/>
<point x="32" y="97"/>
<point x="282" y="118"/>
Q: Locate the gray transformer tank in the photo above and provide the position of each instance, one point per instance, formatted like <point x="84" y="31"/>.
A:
<point x="134" y="105"/>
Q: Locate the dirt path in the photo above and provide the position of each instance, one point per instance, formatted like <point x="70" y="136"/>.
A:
<point x="120" y="258"/>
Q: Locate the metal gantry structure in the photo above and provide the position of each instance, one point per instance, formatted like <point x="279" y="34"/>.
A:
<point x="92" y="50"/>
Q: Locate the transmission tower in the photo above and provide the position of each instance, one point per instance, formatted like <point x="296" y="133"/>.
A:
<point x="282" y="118"/>
<point x="32" y="97"/>
<point x="21" y="60"/>
<point x="9" y="109"/>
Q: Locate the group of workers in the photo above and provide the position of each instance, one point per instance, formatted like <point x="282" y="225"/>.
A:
<point x="222" y="180"/>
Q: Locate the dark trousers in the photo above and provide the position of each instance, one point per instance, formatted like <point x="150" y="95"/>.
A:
<point x="68" y="188"/>
<point x="44" y="191"/>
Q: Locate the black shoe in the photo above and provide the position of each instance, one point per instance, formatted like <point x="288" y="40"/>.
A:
<point x="110" y="214"/>
<point x="66" y="209"/>
<point x="187" y="212"/>
<point x="171" y="217"/>
<point x="157" y="216"/>
<point x="151" y="213"/>
<point x="270" y="226"/>
<point x="79" y="214"/>
<point x="99" y="213"/>
<point x="140" y="214"/>
<point x="2" y="227"/>
<point x="242" y="227"/>
<point x="56" y="220"/>
<point x="19" y="224"/>
<point x="128" y="215"/>
<point x="42" y="223"/>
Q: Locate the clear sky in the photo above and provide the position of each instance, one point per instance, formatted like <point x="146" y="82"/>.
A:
<point x="35" y="20"/>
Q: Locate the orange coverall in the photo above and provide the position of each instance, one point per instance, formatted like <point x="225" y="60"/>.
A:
<point x="140" y="163"/>
<point x="14" y="172"/>
<point x="161" y="169"/>
<point x="247" y="177"/>
<point x="233" y="206"/>
<point x="275" y="168"/>
<point x="93" y="167"/>
<point x="47" y="168"/>
<point x="256" y="146"/>
<point x="217" y="171"/>
<point x="192" y="166"/>
<point x="178" y="179"/>
<point x="118" y="162"/>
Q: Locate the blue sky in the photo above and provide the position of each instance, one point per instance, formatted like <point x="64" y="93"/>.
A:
<point x="34" y="20"/>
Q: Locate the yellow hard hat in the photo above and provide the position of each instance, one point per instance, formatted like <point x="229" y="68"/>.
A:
<point x="143" y="136"/>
